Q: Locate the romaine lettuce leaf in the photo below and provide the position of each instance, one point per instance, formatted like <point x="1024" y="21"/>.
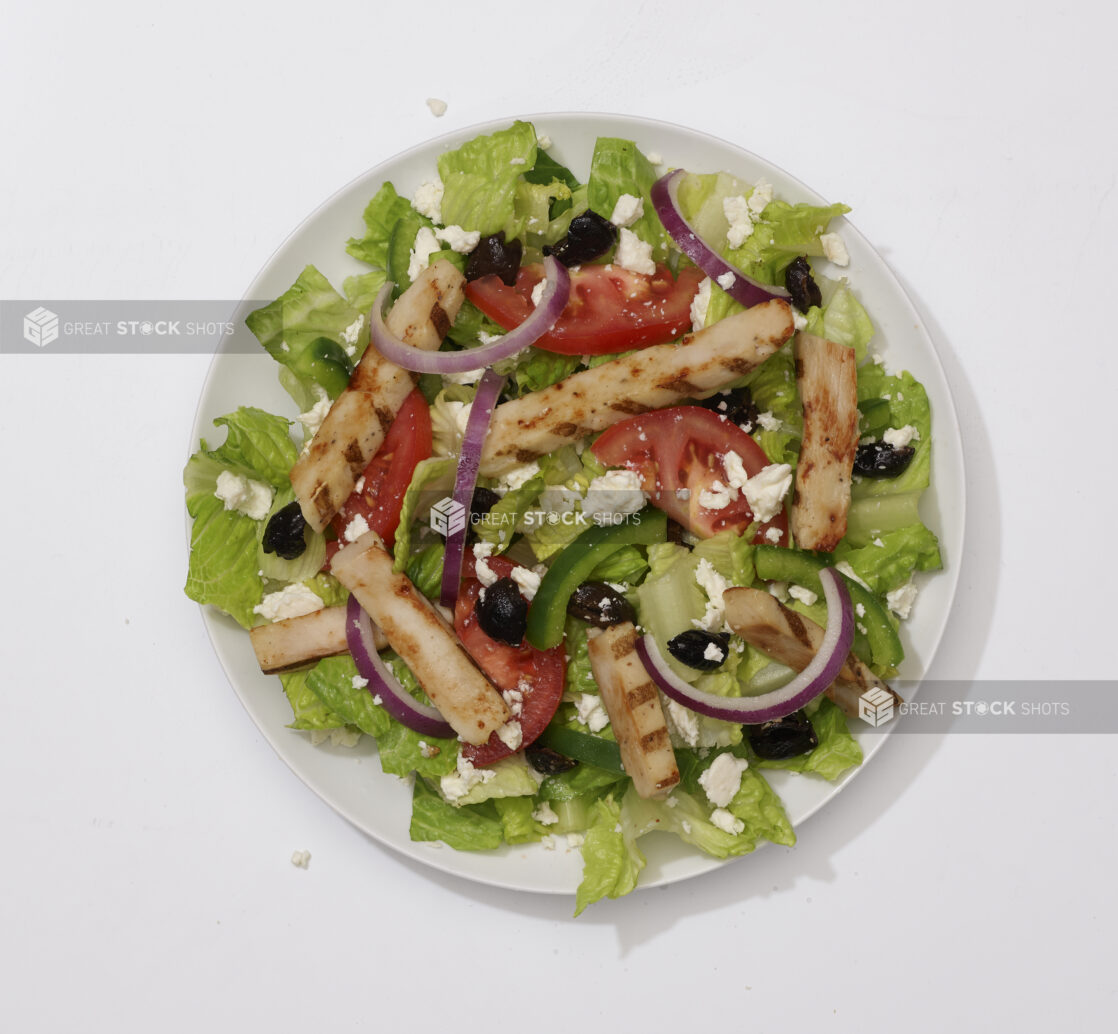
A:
<point x="610" y="855"/>
<point x="382" y="214"/>
<point x="618" y="167"/>
<point x="222" y="569"/>
<point x="470" y="828"/>
<point x="891" y="556"/>
<point x="480" y="180"/>
<point x="305" y="330"/>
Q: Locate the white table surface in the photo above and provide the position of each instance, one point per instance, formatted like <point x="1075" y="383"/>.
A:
<point x="148" y="827"/>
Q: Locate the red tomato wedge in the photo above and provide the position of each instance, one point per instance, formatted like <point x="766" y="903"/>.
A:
<point x="610" y="309"/>
<point x="538" y="674"/>
<point x="680" y="452"/>
<point x="388" y="475"/>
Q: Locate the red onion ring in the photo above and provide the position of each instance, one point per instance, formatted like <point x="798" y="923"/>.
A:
<point x="806" y="686"/>
<point x="744" y="289"/>
<point x="477" y="426"/>
<point x="557" y="289"/>
<point x="396" y="700"/>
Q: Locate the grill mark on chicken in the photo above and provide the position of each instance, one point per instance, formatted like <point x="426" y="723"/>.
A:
<point x="439" y="319"/>
<point x="641" y="694"/>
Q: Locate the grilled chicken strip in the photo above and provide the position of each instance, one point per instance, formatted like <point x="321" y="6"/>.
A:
<point x="827" y="377"/>
<point x="633" y="705"/>
<point x="324" y="476"/>
<point x="792" y="639"/>
<point x="422" y="637"/>
<point x="592" y="400"/>
<point x="296" y="642"/>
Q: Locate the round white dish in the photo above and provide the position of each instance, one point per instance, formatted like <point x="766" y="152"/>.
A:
<point x="350" y="780"/>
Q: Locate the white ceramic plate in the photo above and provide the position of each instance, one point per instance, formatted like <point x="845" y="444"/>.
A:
<point x="350" y="781"/>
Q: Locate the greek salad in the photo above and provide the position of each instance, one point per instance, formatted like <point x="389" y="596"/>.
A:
<point x="600" y="504"/>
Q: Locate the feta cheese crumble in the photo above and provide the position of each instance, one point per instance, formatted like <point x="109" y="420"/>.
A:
<point x="544" y="814"/>
<point x="300" y="859"/>
<point x="313" y="417"/>
<point x="612" y="495"/>
<point x="765" y="491"/>
<point x="717" y="497"/>
<point x="518" y="476"/>
<point x="461" y="241"/>
<point x="899" y="437"/>
<point x="699" y="305"/>
<point x="438" y="107"/>
<point x="714" y="585"/>
<point x="591" y="711"/>
<point x="714" y="652"/>
<point x="455" y="785"/>
<point x="426" y="244"/>
<point x="485" y="574"/>
<point x="723" y="779"/>
<point x="900" y="600"/>
<point x="292" y="601"/>
<point x="805" y="596"/>
<point x="428" y="200"/>
<point x="727" y="280"/>
<point x="537" y="292"/>
<point x="634" y="254"/>
<point x="759" y="197"/>
<point x="726" y="822"/>
<point x="357" y="527"/>
<point x="834" y="249"/>
<point x="736" y="210"/>
<point x="252" y="498"/>
<point x="527" y="581"/>
<point x="628" y="210"/>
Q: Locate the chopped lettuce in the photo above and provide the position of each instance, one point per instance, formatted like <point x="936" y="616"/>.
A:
<point x="890" y="557"/>
<point x="480" y="181"/>
<point x="610" y="856"/>
<point x="618" y="167"/>
<point x="314" y="333"/>
<point x="222" y="569"/>
<point x="472" y="828"/>
<point x="382" y="213"/>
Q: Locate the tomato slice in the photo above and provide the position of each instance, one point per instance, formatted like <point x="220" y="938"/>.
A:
<point x="610" y="309"/>
<point x="538" y="674"/>
<point x="388" y="475"/>
<point x="680" y="452"/>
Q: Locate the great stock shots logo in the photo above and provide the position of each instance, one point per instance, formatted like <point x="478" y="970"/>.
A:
<point x="875" y="706"/>
<point x="447" y="517"/>
<point x="40" y="327"/>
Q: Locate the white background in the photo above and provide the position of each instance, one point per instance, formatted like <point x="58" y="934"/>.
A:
<point x="147" y="826"/>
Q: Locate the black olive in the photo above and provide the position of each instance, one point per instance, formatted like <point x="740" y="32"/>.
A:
<point x="786" y="737"/>
<point x="690" y="648"/>
<point x="502" y="612"/>
<point x="801" y="286"/>
<point x="675" y="532"/>
<point x="600" y="605"/>
<point x="493" y="256"/>
<point x="588" y="237"/>
<point x="283" y="534"/>
<point x="735" y="405"/>
<point x="482" y="501"/>
<point x="882" y="460"/>
<point x="547" y="761"/>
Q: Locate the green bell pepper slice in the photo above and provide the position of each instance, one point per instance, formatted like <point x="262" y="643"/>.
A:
<point x="879" y="646"/>
<point x="324" y="362"/>
<point x="548" y="614"/>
